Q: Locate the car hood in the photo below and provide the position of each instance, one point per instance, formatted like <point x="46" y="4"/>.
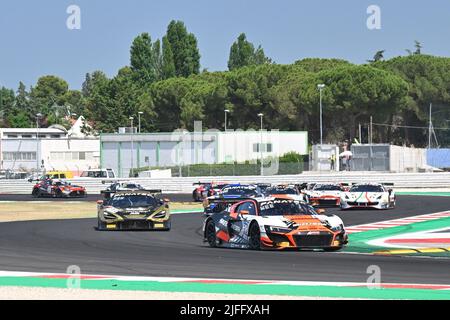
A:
<point x="304" y="222"/>
<point x="363" y="196"/>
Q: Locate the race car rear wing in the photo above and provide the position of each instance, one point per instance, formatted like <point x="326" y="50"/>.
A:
<point x="107" y="193"/>
<point x="200" y="183"/>
<point x="223" y="200"/>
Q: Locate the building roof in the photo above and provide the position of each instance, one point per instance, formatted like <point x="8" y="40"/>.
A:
<point x="32" y="130"/>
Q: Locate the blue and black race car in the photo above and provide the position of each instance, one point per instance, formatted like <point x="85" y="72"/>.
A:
<point x="230" y="194"/>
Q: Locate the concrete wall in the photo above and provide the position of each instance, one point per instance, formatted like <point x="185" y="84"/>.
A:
<point x="385" y="157"/>
<point x="404" y="159"/>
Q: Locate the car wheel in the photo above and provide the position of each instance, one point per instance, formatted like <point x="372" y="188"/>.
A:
<point x="100" y="225"/>
<point x="36" y="193"/>
<point x="168" y="227"/>
<point x="254" y="236"/>
<point x="210" y="233"/>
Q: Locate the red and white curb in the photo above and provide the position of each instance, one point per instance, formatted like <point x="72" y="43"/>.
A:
<point x="226" y="281"/>
<point x="397" y="222"/>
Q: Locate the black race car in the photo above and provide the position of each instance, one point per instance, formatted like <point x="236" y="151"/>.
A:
<point x="134" y="210"/>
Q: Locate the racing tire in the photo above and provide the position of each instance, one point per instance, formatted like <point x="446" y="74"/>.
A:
<point x="58" y="194"/>
<point x="101" y="226"/>
<point x="195" y="196"/>
<point x="168" y="228"/>
<point x="36" y="193"/>
<point x="254" y="237"/>
<point x="210" y="234"/>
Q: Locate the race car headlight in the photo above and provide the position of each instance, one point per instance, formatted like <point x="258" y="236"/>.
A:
<point x="109" y="213"/>
<point x="379" y="198"/>
<point x="160" y="215"/>
<point x="346" y="197"/>
<point x="270" y="229"/>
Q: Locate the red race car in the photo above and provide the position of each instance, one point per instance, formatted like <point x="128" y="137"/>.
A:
<point x="58" y="189"/>
<point x="206" y="189"/>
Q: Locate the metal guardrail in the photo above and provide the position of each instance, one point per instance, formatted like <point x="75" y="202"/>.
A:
<point x="185" y="185"/>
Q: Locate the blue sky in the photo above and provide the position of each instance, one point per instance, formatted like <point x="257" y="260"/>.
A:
<point x="35" y="39"/>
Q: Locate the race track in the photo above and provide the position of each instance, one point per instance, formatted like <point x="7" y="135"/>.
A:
<point x="52" y="246"/>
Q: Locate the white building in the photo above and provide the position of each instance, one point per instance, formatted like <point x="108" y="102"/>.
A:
<point x="33" y="149"/>
<point x="123" y="151"/>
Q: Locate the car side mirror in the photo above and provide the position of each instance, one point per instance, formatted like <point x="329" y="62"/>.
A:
<point x="244" y="212"/>
<point x="100" y="202"/>
<point x="320" y="211"/>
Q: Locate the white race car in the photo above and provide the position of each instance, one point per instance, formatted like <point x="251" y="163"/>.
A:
<point x="274" y="223"/>
<point x="325" y="194"/>
<point x="289" y="191"/>
<point x="368" y="195"/>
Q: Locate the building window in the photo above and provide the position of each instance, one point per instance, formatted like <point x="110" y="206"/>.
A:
<point x="266" y="147"/>
<point x="72" y="156"/>
<point x="19" y="156"/>
<point x="12" y="136"/>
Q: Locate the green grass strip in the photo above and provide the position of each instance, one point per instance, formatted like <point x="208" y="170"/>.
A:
<point x="413" y="193"/>
<point x="282" y="290"/>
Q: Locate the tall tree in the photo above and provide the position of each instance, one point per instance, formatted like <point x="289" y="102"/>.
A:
<point x="168" y="64"/>
<point x="86" y="87"/>
<point x="48" y="93"/>
<point x="243" y="53"/>
<point x="186" y="55"/>
<point x="142" y="59"/>
<point x="7" y="102"/>
<point x="418" y="47"/>
<point x="379" y="55"/>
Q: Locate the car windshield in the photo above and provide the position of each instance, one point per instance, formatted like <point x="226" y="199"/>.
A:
<point x="131" y="186"/>
<point x="133" y="201"/>
<point x="284" y="207"/>
<point x="327" y="187"/>
<point x="281" y="191"/>
<point x="366" y="188"/>
<point x="239" y="191"/>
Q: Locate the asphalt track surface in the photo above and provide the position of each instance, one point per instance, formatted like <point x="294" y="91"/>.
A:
<point x="52" y="246"/>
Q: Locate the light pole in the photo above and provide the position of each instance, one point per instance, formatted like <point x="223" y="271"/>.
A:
<point x="132" y="146"/>
<point x="226" y="120"/>
<point x="430" y="126"/>
<point x="38" y="117"/>
<point x="260" y="143"/>
<point x="321" y="87"/>
<point x="139" y="116"/>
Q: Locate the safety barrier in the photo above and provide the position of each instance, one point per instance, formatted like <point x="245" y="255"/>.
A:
<point x="185" y="185"/>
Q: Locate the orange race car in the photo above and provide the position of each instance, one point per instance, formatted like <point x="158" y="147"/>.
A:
<point x="274" y="223"/>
